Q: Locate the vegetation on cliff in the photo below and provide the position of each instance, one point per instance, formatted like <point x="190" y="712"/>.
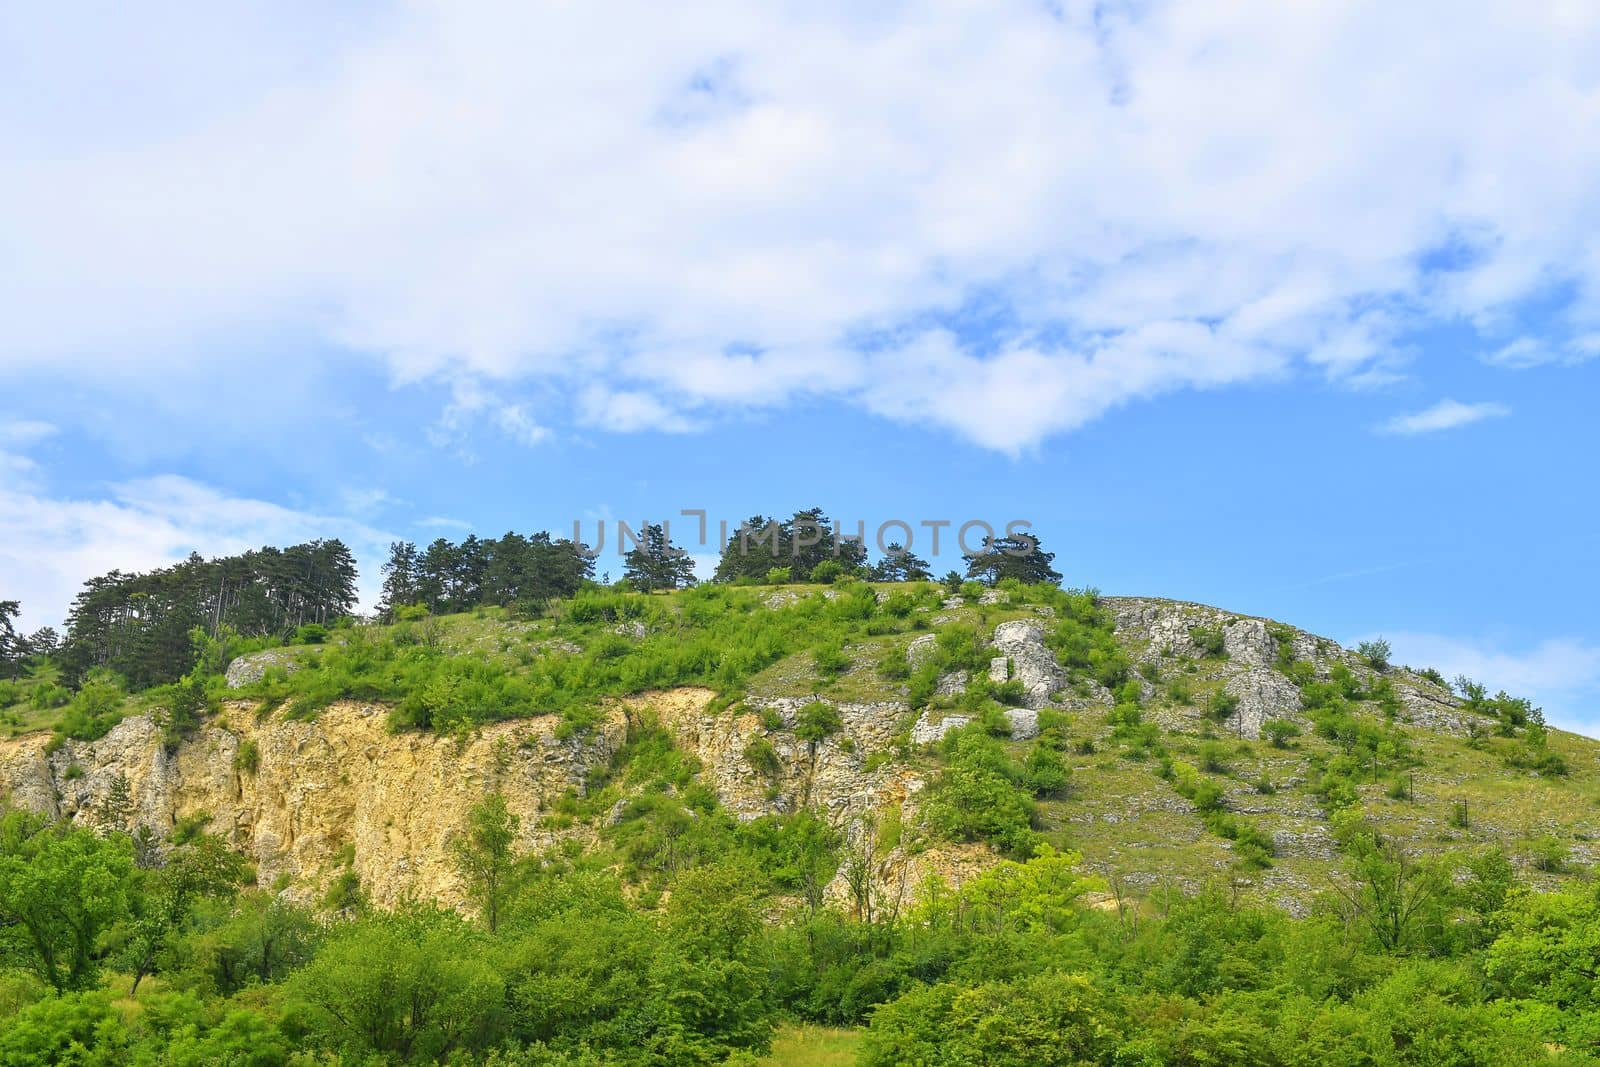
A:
<point x="1197" y="838"/>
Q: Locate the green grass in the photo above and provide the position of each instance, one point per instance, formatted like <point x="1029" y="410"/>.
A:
<point x="801" y="1045"/>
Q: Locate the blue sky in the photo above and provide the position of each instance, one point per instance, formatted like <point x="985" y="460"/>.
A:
<point x="1251" y="304"/>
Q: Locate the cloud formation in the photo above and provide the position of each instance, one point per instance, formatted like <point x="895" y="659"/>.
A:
<point x="1028" y="213"/>
<point x="49" y="545"/>
<point x="1447" y="414"/>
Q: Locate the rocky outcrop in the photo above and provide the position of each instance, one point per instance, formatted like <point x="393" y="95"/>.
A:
<point x="252" y="667"/>
<point x="1022" y="656"/>
<point x="831" y="774"/>
<point x="1263" y="694"/>
<point x="299" y="798"/>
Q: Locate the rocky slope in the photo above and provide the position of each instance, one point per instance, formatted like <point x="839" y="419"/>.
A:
<point x="306" y="799"/>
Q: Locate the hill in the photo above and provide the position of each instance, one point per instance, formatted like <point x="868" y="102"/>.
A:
<point x="1167" y="743"/>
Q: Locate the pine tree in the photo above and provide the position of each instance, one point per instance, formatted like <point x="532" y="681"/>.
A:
<point x="655" y="564"/>
<point x="900" y="565"/>
<point x="1018" y="557"/>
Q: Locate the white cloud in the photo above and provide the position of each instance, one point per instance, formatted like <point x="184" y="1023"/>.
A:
<point x="1445" y="415"/>
<point x="24" y="432"/>
<point x="50" y="545"/>
<point x="1561" y="674"/>
<point x="629" y="411"/>
<point x="443" y="522"/>
<point x="1527" y="352"/>
<point x="732" y="204"/>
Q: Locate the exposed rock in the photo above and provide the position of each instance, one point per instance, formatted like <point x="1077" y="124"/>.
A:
<point x="1024" y="723"/>
<point x="832" y="774"/>
<point x="994" y="596"/>
<point x="341" y="779"/>
<point x="1248" y="643"/>
<point x="920" y="648"/>
<point x="1023" y="656"/>
<point x="632" y="628"/>
<point x="1263" y="694"/>
<point x="931" y="726"/>
<point x="1423" y="704"/>
<point x="951" y="683"/>
<point x="253" y="666"/>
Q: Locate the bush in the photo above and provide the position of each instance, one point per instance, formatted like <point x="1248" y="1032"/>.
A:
<point x="816" y="722"/>
<point x="1209" y="639"/>
<point x="762" y="758"/>
<point x="1279" y="732"/>
<point x="1375" y="654"/>
<point x="95" y="709"/>
<point x="1222" y="705"/>
<point x="312" y="633"/>
<point x="827" y="572"/>
<point x="830" y="661"/>
<point x="979" y="796"/>
<point x="1044" y="774"/>
<point x="1548" y="854"/>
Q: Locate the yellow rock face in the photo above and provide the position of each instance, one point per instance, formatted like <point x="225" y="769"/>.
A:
<point x="335" y="789"/>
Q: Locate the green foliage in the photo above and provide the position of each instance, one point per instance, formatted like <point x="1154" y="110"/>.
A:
<point x="94" y="709"/>
<point x="1084" y="640"/>
<point x="762" y="758"/>
<point x="1222" y="705"/>
<point x="414" y="985"/>
<point x="485" y="856"/>
<point x="1017" y="558"/>
<point x="816" y="722"/>
<point x="312" y="633"/>
<point x="1210" y="640"/>
<point x="1279" y="732"/>
<point x="60" y="891"/>
<point x="981" y="795"/>
<point x="1375" y="653"/>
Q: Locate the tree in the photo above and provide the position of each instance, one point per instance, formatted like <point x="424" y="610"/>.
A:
<point x="654" y="563"/>
<point x="1375" y="654"/>
<point x="1018" y="557"/>
<point x="901" y="565"/>
<point x="12" y="647"/>
<point x="399" y="578"/>
<point x="800" y="543"/>
<point x="412" y="985"/>
<point x="203" y="866"/>
<point x="1397" y="898"/>
<point x="60" y="890"/>
<point x="486" y="856"/>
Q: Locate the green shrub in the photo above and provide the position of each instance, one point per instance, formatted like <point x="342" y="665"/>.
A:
<point x="1279" y="732"/>
<point x="1222" y="705"/>
<point x="816" y="722"/>
<point x="830" y="661"/>
<point x="1209" y="639"/>
<point x="763" y="758"/>
<point x="312" y="633"/>
<point x="1375" y="653"/>
<point x="827" y="572"/>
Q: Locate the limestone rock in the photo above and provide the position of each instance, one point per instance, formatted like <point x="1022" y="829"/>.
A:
<point x="252" y="667"/>
<point x="1263" y="694"/>
<point x="1023" y="656"/>
<point x="931" y="726"/>
<point x="342" y="779"/>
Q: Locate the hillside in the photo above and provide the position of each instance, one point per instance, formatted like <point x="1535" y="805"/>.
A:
<point x="1175" y="744"/>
